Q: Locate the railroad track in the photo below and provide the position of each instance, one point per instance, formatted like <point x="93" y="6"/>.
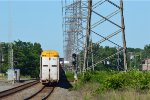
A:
<point x="42" y="94"/>
<point x="17" y="89"/>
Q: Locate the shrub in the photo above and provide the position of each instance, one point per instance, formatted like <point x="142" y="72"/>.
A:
<point x="100" y="76"/>
<point x="86" y="77"/>
<point x="132" y="79"/>
<point x="113" y="80"/>
<point x="145" y="82"/>
<point x="117" y="81"/>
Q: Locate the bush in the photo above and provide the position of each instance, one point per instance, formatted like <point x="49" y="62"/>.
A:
<point x="86" y="77"/>
<point x="100" y="76"/>
<point x="113" y="80"/>
<point x="132" y="79"/>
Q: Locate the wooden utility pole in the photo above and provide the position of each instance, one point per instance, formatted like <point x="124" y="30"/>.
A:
<point x="123" y="36"/>
<point x="92" y="54"/>
<point x="88" y="32"/>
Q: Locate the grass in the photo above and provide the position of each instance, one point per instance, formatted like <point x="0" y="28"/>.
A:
<point x="88" y="92"/>
<point x="124" y="95"/>
<point x="70" y="76"/>
<point x="104" y="85"/>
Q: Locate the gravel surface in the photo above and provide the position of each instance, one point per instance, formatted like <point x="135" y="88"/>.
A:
<point x="24" y="93"/>
<point x="64" y="94"/>
<point x="61" y="91"/>
<point x="5" y="85"/>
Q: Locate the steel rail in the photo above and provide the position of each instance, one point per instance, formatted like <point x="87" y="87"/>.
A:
<point x="16" y="89"/>
<point x="52" y="89"/>
<point x="43" y="89"/>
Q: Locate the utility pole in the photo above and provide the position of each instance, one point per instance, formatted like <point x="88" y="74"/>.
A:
<point x="92" y="53"/>
<point x="10" y="49"/>
<point x="0" y="57"/>
<point x="10" y="45"/>
<point x="123" y="36"/>
<point x="10" y="56"/>
<point x="88" y="31"/>
<point x="118" y="60"/>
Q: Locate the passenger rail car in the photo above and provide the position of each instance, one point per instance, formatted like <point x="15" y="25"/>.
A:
<point x="49" y="66"/>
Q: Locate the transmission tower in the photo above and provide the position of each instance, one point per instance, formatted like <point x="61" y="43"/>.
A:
<point x="74" y="18"/>
<point x="108" y="25"/>
<point x="100" y="22"/>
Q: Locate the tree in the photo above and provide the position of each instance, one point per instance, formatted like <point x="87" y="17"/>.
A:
<point x="27" y="57"/>
<point x="146" y="52"/>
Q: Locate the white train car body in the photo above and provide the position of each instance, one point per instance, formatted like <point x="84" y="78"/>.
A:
<point x="49" y="67"/>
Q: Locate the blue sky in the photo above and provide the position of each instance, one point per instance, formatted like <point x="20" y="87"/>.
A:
<point x="41" y="21"/>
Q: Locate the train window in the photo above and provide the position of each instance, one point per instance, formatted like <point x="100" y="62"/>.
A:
<point x="45" y="65"/>
<point x="54" y="65"/>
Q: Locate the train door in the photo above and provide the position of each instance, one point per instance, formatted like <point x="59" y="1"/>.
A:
<point x="45" y="68"/>
<point x="54" y="69"/>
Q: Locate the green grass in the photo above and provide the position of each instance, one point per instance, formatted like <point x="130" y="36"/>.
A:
<point x="111" y="85"/>
<point x="70" y="76"/>
<point x="124" y="95"/>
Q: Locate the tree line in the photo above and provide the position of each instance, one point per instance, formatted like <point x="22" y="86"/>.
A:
<point x="135" y="57"/>
<point x="26" y="57"/>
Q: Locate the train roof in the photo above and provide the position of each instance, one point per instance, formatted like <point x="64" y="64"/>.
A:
<point x="50" y="53"/>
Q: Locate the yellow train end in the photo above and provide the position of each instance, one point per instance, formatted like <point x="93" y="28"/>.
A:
<point x="50" y="53"/>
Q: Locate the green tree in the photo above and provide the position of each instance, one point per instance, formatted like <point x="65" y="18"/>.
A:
<point x="4" y="64"/>
<point x="27" y="57"/>
<point x="146" y="52"/>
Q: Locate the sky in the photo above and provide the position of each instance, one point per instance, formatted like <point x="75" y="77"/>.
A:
<point x="41" y="21"/>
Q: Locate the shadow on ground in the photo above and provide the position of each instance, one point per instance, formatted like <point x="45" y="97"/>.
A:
<point x="63" y="82"/>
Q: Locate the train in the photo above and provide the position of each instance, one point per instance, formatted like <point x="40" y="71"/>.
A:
<point x="49" y="67"/>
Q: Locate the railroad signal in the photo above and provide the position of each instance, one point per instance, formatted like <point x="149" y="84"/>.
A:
<point x="74" y="55"/>
<point x="74" y="61"/>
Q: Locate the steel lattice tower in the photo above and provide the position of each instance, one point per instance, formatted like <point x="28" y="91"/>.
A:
<point x="74" y="17"/>
<point x="86" y="22"/>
